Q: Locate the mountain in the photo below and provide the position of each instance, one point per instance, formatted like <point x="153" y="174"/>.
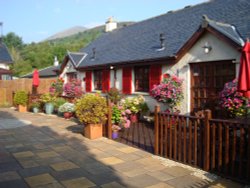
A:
<point x="87" y="34"/>
<point x="41" y="55"/>
<point x="67" y="32"/>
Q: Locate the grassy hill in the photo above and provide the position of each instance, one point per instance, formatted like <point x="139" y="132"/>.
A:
<point x="41" y="55"/>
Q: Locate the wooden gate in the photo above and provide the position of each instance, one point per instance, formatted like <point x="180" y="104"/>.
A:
<point x="214" y="145"/>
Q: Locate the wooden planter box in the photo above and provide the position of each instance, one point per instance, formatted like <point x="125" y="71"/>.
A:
<point x="93" y="131"/>
<point x="22" y="108"/>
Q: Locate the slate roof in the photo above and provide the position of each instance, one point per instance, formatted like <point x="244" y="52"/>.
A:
<point x="4" y="54"/>
<point x="47" y="72"/>
<point x="140" y="41"/>
<point x="227" y="30"/>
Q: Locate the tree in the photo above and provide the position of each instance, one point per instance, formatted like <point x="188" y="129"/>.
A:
<point x="13" y="40"/>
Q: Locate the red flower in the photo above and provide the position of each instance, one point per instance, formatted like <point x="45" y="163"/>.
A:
<point x="166" y="75"/>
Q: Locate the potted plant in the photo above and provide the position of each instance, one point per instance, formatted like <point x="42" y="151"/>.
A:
<point x="57" y="103"/>
<point x="91" y="110"/>
<point x="233" y="101"/>
<point x="114" y="95"/>
<point x="21" y="99"/>
<point x="115" y="131"/>
<point x="73" y="88"/>
<point x="134" y="105"/>
<point x="56" y="87"/>
<point x="169" y="91"/>
<point x="48" y="101"/>
<point x="67" y="109"/>
<point x="35" y="105"/>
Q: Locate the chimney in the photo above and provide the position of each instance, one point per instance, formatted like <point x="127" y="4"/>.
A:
<point x="93" y="54"/>
<point x="110" y="25"/>
<point x="56" y="62"/>
<point x="162" y="40"/>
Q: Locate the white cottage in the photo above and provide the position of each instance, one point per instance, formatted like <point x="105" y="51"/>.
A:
<point x="201" y="44"/>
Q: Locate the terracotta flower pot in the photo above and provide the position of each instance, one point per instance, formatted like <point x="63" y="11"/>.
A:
<point x="67" y="115"/>
<point x="93" y="131"/>
<point x="22" y="108"/>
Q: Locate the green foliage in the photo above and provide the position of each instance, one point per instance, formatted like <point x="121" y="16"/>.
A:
<point x="91" y="109"/>
<point x="114" y="95"/>
<point x="35" y="104"/>
<point x="13" y="40"/>
<point x="134" y="104"/>
<point x="41" y="55"/>
<point x="21" y="98"/>
<point x="58" y="102"/>
<point x="116" y="115"/>
<point x="144" y="107"/>
<point x="47" y="98"/>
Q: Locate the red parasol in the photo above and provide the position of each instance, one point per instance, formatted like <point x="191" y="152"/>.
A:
<point x="244" y="74"/>
<point x="35" y="80"/>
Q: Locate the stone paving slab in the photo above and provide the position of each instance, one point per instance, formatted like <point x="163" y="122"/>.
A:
<point x="48" y="153"/>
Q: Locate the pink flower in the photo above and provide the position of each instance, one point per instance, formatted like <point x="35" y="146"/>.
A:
<point x="127" y="111"/>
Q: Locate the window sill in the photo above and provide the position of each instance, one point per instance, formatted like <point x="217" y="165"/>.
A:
<point x="141" y="93"/>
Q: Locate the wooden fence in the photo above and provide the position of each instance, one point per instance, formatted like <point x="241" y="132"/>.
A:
<point x="7" y="87"/>
<point x="214" y="145"/>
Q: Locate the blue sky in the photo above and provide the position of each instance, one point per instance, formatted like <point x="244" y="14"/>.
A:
<point x="35" y="20"/>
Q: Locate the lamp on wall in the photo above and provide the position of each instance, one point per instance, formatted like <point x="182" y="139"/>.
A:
<point x="207" y="48"/>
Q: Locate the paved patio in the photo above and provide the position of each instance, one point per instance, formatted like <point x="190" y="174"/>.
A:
<point x="47" y="151"/>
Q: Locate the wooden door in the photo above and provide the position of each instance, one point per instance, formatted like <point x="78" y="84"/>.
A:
<point x="207" y="81"/>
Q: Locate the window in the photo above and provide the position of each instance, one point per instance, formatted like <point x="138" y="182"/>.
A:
<point x="6" y="77"/>
<point x="207" y="81"/>
<point x="98" y="80"/>
<point x="141" y="78"/>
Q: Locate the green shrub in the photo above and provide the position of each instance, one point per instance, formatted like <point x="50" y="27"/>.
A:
<point x="114" y="95"/>
<point x="21" y="98"/>
<point x="47" y="98"/>
<point x="91" y="109"/>
<point x="59" y="102"/>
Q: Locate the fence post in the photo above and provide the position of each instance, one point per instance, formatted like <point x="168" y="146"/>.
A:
<point x="208" y="116"/>
<point x="156" y="129"/>
<point x="248" y="154"/>
<point x="109" y="120"/>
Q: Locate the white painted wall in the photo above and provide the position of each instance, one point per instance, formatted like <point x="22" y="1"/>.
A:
<point x="220" y="51"/>
<point x="81" y="76"/>
<point x="4" y="66"/>
<point x="68" y="68"/>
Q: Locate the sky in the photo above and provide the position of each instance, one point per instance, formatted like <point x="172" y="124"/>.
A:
<point x="36" y="20"/>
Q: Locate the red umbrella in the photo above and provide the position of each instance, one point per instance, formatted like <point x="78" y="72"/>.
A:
<point x="244" y="74"/>
<point x="35" y="80"/>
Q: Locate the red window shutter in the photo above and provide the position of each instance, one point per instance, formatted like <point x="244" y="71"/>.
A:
<point x="105" y="81"/>
<point x="88" y="81"/>
<point x="127" y="80"/>
<point x="154" y="76"/>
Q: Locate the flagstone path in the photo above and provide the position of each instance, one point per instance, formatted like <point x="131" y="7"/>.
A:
<point x="40" y="151"/>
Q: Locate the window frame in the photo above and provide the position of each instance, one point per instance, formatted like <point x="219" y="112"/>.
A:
<point x="141" y="78"/>
<point x="97" y="80"/>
